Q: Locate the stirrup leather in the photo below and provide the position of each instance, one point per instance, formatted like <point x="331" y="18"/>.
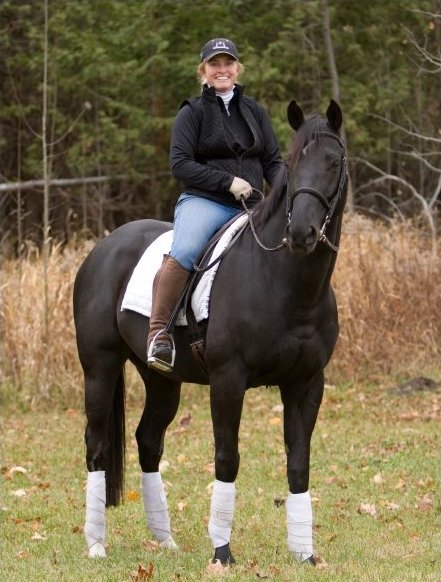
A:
<point x="157" y="363"/>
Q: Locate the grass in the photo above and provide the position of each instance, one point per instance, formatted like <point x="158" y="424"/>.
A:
<point x="374" y="483"/>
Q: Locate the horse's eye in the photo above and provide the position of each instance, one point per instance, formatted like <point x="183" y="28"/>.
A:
<point x="335" y="164"/>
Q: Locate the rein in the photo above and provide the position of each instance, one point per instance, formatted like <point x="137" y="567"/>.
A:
<point x="330" y="206"/>
<point x="253" y="227"/>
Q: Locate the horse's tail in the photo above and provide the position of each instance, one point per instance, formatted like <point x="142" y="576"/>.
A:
<point x="117" y="445"/>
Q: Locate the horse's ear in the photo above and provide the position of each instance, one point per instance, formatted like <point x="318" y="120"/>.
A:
<point x="334" y="115"/>
<point x="295" y="115"/>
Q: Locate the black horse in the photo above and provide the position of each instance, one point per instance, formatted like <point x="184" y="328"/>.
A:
<point x="273" y="321"/>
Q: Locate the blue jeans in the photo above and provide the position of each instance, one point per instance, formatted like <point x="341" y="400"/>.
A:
<point x="195" y="222"/>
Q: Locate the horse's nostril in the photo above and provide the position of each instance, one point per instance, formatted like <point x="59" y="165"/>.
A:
<point x="311" y="235"/>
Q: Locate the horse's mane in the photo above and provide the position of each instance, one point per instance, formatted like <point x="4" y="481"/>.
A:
<point x="311" y="129"/>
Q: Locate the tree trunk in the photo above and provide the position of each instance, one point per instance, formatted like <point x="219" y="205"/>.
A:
<point x="335" y="82"/>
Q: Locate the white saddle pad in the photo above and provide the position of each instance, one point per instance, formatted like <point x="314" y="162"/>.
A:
<point x="138" y="295"/>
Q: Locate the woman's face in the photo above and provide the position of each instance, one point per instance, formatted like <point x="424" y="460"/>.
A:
<point x="221" y="72"/>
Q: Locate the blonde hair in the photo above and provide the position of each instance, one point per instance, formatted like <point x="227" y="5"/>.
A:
<point x="200" y="72"/>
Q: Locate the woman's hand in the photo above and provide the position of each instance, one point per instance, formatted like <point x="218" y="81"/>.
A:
<point x="240" y="188"/>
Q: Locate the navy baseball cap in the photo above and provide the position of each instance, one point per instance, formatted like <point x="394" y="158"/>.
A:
<point x="219" y="46"/>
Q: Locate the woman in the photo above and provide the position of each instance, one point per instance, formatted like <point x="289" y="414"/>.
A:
<point x="222" y="149"/>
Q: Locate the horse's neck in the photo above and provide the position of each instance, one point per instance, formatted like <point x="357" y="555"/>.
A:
<point x="309" y="276"/>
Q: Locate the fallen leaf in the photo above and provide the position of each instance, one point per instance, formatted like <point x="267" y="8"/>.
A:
<point x="133" y="495"/>
<point x="23" y="555"/>
<point x="425" y="503"/>
<point x="38" y="537"/>
<point x="377" y="479"/>
<point x="279" y="501"/>
<point x="181" y="506"/>
<point x="320" y="563"/>
<point x="429" y="483"/>
<point x="250" y="565"/>
<point x="217" y="569"/>
<point x="367" y="508"/>
<point x="411" y="415"/>
<point x="185" y="420"/>
<point x="11" y="472"/>
<point x="19" y="493"/>
<point x="142" y="573"/>
<point x="392" y="506"/>
<point x="329" y="480"/>
<point x="77" y="529"/>
<point x="151" y="545"/>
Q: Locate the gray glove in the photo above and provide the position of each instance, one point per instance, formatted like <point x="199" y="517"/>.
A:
<point x="240" y="188"/>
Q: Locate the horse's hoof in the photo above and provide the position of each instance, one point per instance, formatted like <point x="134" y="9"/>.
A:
<point x="97" y="551"/>
<point x="169" y="543"/>
<point x="224" y="554"/>
<point x="310" y="560"/>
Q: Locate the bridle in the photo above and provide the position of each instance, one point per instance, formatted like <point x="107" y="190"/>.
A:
<point x="330" y="206"/>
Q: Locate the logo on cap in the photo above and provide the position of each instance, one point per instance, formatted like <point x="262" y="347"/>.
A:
<point x="220" y="44"/>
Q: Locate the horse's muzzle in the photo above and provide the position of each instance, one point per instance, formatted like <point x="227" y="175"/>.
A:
<point x="301" y="241"/>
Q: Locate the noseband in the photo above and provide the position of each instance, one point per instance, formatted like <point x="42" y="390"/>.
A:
<point x="330" y="206"/>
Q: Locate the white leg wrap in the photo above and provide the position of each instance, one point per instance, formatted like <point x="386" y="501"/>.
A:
<point x="221" y="513"/>
<point x="156" y="510"/>
<point x="299" y="524"/>
<point x="95" y="527"/>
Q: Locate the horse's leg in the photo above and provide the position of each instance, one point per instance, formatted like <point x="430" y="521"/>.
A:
<point x="162" y="403"/>
<point x="300" y="414"/>
<point x="226" y="400"/>
<point x="105" y="443"/>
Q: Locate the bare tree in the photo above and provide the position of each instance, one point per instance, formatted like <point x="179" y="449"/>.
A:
<point x="46" y="226"/>
<point x="398" y="192"/>
<point x="334" y="79"/>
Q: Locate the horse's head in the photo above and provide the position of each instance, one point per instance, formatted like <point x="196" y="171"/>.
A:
<point x="317" y="177"/>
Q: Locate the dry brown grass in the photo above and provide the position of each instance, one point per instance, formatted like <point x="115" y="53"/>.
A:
<point x="388" y="286"/>
<point x="36" y="368"/>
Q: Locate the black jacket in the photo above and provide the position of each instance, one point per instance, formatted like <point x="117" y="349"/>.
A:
<point x="209" y="147"/>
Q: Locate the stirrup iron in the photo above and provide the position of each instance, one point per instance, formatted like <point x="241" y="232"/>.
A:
<point x="157" y="363"/>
